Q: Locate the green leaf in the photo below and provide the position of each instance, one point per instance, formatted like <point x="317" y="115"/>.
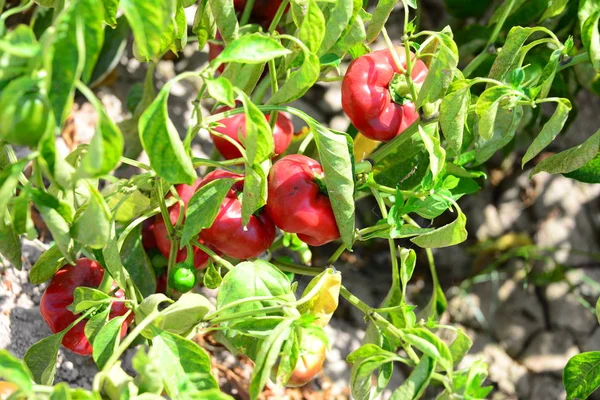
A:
<point x="107" y="340"/>
<point x="336" y="160"/>
<point x="550" y="130"/>
<point x="15" y="371"/>
<point x="162" y="143"/>
<point x="416" y="383"/>
<point x="41" y="358"/>
<point x="507" y="56"/>
<point x="366" y="360"/>
<point x="59" y="227"/>
<point x="95" y="324"/>
<point x="79" y="29"/>
<point x="204" y="27"/>
<point x="437" y="155"/>
<point x="267" y="357"/>
<point x="380" y="17"/>
<point x="224" y="15"/>
<point x="148" y="379"/>
<point x="487" y="109"/>
<point x="312" y="28"/>
<point x="582" y="375"/>
<point x="338" y="20"/>
<point x="252" y="49"/>
<point x="212" y="276"/>
<point x="46" y="266"/>
<point x="589" y="16"/>
<point x="137" y="263"/>
<point x="110" y="12"/>
<point x="148" y="19"/>
<point x="505" y="125"/>
<point x="454" y="110"/>
<point x="221" y="90"/>
<point x="441" y="70"/>
<point x="255" y="189"/>
<point x="571" y="159"/>
<point x="97" y="215"/>
<point x="555" y="8"/>
<point x="448" y="235"/>
<point x="106" y="147"/>
<point x="258" y="142"/>
<point x="114" y="266"/>
<point x="131" y="204"/>
<point x="299" y="81"/>
<point x="183" y="364"/>
<point x="244" y="76"/>
<point x="352" y="37"/>
<point x="408" y="260"/>
<point x="431" y="346"/>
<point x="10" y="243"/>
<point x="203" y="208"/>
<point x="85" y="298"/>
<point x="460" y="346"/>
<point x="16" y="49"/>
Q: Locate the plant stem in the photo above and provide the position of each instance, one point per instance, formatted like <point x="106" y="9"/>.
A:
<point x="247" y="12"/>
<point x="335" y="256"/>
<point x="577" y="59"/>
<point x="135" y="163"/>
<point x="274" y="89"/>
<point x="218" y="259"/>
<point x="278" y="15"/>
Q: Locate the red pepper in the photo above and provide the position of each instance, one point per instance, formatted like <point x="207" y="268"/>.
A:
<point x="282" y="134"/>
<point x="59" y="295"/>
<point x="313" y="353"/>
<point x="160" y="229"/>
<point x="263" y="10"/>
<point x="376" y="96"/>
<point x="227" y="233"/>
<point x="297" y="203"/>
<point x="148" y="239"/>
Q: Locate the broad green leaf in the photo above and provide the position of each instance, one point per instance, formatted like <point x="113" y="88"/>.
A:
<point x="131" y="204"/>
<point x="453" y="117"/>
<point x="221" y="90"/>
<point x="437" y="155"/>
<point x="114" y="266"/>
<point x="59" y="227"/>
<point x="92" y="226"/>
<point x="408" y="260"/>
<point x="555" y="8"/>
<point x="267" y="357"/>
<point x="441" y="70"/>
<point x="582" y="375"/>
<point x="182" y="363"/>
<point x="505" y="125"/>
<point x="79" y="29"/>
<point x="162" y="143"/>
<point x="460" y="346"/>
<point x="95" y="324"/>
<point x="41" y="358"/>
<point x="589" y="17"/>
<point x="18" y="46"/>
<point x="106" y="147"/>
<point x="487" y="109"/>
<point x="148" y="19"/>
<point x="299" y="81"/>
<point x="507" y="56"/>
<point x="416" y="383"/>
<point x="550" y="130"/>
<point x="224" y="12"/>
<point x="85" y="298"/>
<point x="244" y="76"/>
<point x="204" y="27"/>
<point x="336" y="160"/>
<point x="184" y="314"/>
<point x="46" y="266"/>
<point x="352" y="37"/>
<point x="110" y="12"/>
<point x="10" y="243"/>
<point x="366" y="360"/>
<point x="571" y="159"/>
<point x="148" y="379"/>
<point x="252" y="49"/>
<point x="380" y="17"/>
<point x="338" y="20"/>
<point x="448" y="235"/>
<point x="258" y="141"/>
<point x="431" y="345"/>
<point x="107" y="340"/>
<point x="203" y="208"/>
<point x="312" y="28"/>
<point x="14" y="370"/>
<point x="137" y="263"/>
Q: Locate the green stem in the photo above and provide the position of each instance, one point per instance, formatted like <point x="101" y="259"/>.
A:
<point x="274" y="89"/>
<point x="218" y="259"/>
<point x="391" y="243"/>
<point x="362" y="167"/>
<point x="335" y="256"/>
<point x="11" y="12"/>
<point x="247" y="12"/>
<point x="577" y="59"/>
<point x="391" y="146"/>
<point x="107" y="282"/>
<point x="278" y="15"/>
<point x="135" y="163"/>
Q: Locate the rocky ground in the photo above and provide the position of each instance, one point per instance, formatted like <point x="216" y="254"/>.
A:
<point x="526" y="317"/>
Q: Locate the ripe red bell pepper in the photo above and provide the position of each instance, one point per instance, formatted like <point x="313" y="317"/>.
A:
<point x="148" y="239"/>
<point x="227" y="233"/>
<point x="59" y="295"/>
<point x="376" y="96"/>
<point x="297" y="203"/>
<point x="160" y="229"/>
<point x="282" y="134"/>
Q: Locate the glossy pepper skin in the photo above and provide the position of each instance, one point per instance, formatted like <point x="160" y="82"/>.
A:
<point x="282" y="134"/>
<point x="313" y="353"/>
<point x="160" y="229"/>
<point x="59" y="295"/>
<point x="296" y="203"/>
<point x="227" y="233"/>
<point x="366" y="96"/>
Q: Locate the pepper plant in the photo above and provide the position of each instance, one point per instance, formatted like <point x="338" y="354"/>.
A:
<point x="127" y="254"/>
